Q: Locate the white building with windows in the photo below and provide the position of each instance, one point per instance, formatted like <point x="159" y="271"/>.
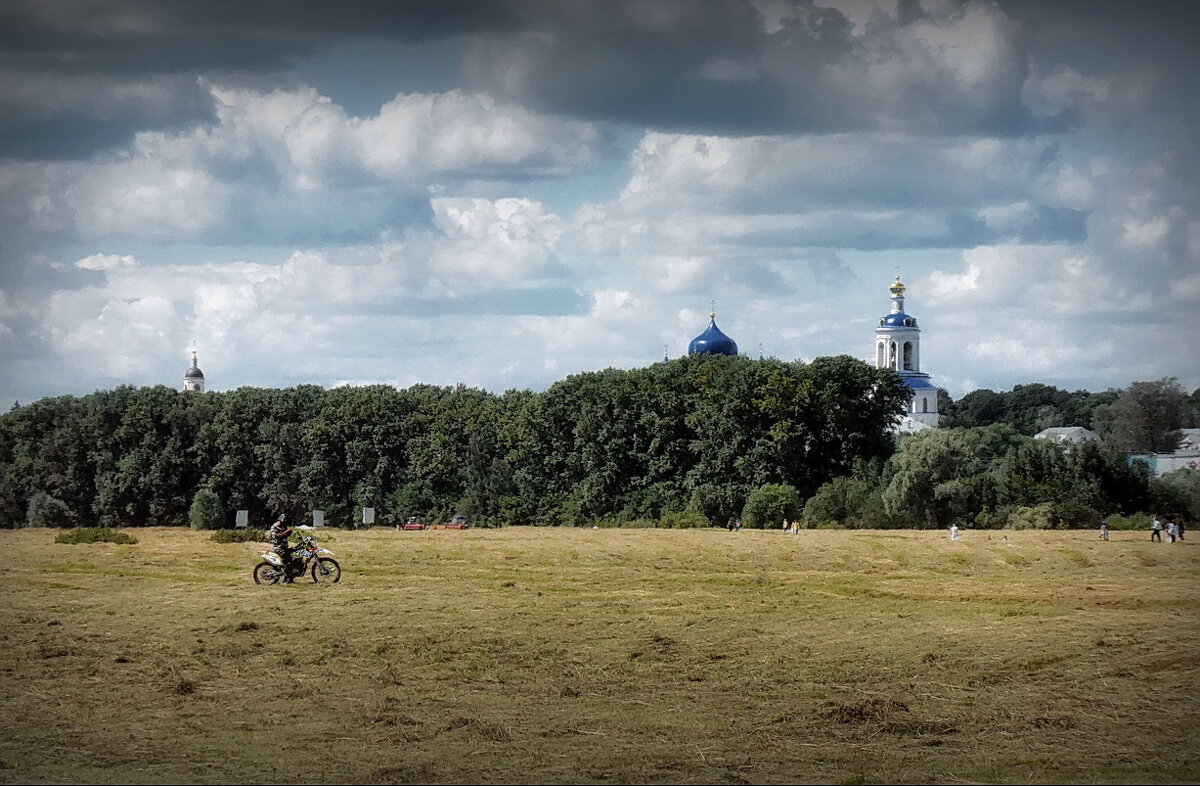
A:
<point x="898" y="347"/>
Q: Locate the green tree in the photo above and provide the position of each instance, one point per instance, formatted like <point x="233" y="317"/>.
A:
<point x="1113" y="483"/>
<point x="206" y="512"/>
<point x="980" y="407"/>
<point x="1177" y="493"/>
<point x="945" y="475"/>
<point x="769" y="504"/>
<point x="850" y="501"/>
<point x="1146" y="417"/>
<point x="1037" y="471"/>
<point x="47" y="511"/>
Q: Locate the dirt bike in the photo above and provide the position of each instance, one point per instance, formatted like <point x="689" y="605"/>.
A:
<point x="325" y="570"/>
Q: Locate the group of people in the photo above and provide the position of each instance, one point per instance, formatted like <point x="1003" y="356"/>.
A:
<point x="1174" y="530"/>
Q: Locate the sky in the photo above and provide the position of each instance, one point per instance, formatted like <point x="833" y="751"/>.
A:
<point x="502" y="194"/>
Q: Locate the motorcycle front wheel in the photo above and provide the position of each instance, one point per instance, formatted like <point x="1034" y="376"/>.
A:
<point x="326" y="571"/>
<point x="266" y="573"/>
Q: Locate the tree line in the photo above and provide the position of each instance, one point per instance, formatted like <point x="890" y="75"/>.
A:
<point x="695" y="434"/>
<point x="695" y="440"/>
<point x="1144" y="417"/>
<point x="991" y="477"/>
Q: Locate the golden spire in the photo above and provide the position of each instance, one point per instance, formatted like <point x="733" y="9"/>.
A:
<point x="897" y="289"/>
<point x="712" y="309"/>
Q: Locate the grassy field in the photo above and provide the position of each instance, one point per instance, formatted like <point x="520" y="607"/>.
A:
<point x="605" y="656"/>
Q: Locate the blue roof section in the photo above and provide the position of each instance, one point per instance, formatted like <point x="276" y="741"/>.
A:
<point x="712" y="342"/>
<point x="918" y="383"/>
<point x="899" y="319"/>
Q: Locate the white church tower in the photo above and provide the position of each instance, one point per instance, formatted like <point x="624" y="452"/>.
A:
<point x="898" y="347"/>
<point x="193" y="378"/>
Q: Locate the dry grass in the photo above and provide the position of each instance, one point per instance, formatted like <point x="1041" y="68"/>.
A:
<point x="609" y="656"/>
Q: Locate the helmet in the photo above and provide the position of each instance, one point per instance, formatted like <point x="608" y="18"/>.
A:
<point x="282" y="518"/>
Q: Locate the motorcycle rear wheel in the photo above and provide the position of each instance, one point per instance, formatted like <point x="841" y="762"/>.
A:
<point x="326" y="571"/>
<point x="266" y="573"/>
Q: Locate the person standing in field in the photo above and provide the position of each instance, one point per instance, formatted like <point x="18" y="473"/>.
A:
<point x="953" y="532"/>
<point x="1179" y="527"/>
<point x="1172" y="530"/>
<point x="1104" y="529"/>
<point x="1156" y="530"/>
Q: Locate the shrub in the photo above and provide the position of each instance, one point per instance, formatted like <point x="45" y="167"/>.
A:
<point x="1053" y="515"/>
<point x="239" y="536"/>
<point x="685" y="520"/>
<point x="205" y="512"/>
<point x="715" y="503"/>
<point x="95" y="535"/>
<point x="47" y="511"/>
<point x="1130" y="522"/>
<point x="1033" y="517"/>
<point x="1177" y="492"/>
<point x="991" y="519"/>
<point x="851" y="502"/>
<point x="768" y="505"/>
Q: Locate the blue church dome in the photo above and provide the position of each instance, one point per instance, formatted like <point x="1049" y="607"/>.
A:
<point x="898" y="319"/>
<point x="712" y="342"/>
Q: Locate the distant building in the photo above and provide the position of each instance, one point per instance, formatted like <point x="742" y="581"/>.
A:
<point x="193" y="378"/>
<point x="1068" y="435"/>
<point x="1189" y="439"/>
<point x="1162" y="463"/>
<point x="898" y="347"/>
<point x="1186" y="456"/>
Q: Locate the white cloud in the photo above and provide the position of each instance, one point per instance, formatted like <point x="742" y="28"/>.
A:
<point x="106" y="262"/>
<point x="1061" y="90"/>
<point x="285" y="153"/>
<point x="785" y="174"/>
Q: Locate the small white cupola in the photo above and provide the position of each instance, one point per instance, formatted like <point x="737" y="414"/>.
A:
<point x="193" y="378"/>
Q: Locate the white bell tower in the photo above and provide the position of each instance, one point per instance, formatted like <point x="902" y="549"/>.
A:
<point x="193" y="378"/>
<point x="898" y="347"/>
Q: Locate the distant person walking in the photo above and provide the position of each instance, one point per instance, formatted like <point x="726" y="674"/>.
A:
<point x="953" y="532"/>
<point x="1156" y="530"/>
<point x="1172" y="530"/>
<point x="1180" y="528"/>
<point x="1104" y="530"/>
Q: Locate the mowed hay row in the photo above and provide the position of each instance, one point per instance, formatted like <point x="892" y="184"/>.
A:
<point x="564" y="655"/>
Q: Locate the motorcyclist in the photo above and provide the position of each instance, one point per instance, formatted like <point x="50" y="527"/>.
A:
<point x="278" y="533"/>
